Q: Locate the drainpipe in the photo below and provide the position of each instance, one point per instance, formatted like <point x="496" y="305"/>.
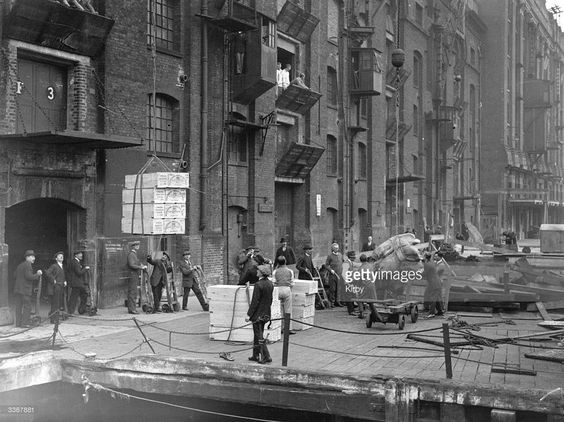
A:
<point x="204" y="119"/>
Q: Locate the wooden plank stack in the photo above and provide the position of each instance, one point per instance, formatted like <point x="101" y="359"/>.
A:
<point x="303" y="304"/>
<point x="228" y="309"/>
<point x="154" y="203"/>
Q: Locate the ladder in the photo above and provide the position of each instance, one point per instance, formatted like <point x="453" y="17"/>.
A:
<point x="321" y="293"/>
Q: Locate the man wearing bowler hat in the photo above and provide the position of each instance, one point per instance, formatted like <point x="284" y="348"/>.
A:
<point x="57" y="281"/>
<point x="78" y="282"/>
<point x="285" y="251"/>
<point x="305" y="264"/>
<point x="249" y="263"/>
<point x="135" y="267"/>
<point x="24" y="288"/>
<point x="189" y="282"/>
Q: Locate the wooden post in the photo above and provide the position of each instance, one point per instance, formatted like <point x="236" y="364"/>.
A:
<point x="446" y="341"/>
<point x="286" y="339"/>
<point x="143" y="334"/>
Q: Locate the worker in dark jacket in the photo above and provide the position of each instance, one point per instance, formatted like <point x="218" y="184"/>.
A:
<point x="305" y="265"/>
<point x="56" y="284"/>
<point x="135" y="267"/>
<point x="78" y="283"/>
<point x="159" y="278"/>
<point x="25" y="277"/>
<point x="259" y="313"/>
<point x="189" y="282"/>
<point x="286" y="251"/>
<point x="433" y="292"/>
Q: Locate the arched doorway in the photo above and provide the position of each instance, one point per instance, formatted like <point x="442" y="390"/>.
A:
<point x="44" y="225"/>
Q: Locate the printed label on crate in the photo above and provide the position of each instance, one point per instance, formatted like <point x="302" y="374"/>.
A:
<point x="156" y="195"/>
<point x="158" y="180"/>
<point x="153" y="211"/>
<point x="153" y="226"/>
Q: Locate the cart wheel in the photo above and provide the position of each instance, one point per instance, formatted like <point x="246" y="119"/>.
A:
<point x="414" y="314"/>
<point x="92" y="311"/>
<point x="401" y="322"/>
<point x="145" y="308"/>
<point x="176" y="307"/>
<point x="369" y="320"/>
<point x="35" y="320"/>
<point x="166" y="308"/>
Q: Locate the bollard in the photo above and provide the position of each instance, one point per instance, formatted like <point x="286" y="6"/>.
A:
<point x="446" y="341"/>
<point x="286" y="339"/>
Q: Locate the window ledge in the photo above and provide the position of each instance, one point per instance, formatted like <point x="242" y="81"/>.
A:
<point x="167" y="52"/>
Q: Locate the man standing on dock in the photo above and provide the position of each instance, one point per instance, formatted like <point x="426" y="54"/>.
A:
<point x="259" y="313"/>
<point x="135" y="267"/>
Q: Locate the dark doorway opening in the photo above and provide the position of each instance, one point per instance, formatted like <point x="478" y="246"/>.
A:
<point x="44" y="225"/>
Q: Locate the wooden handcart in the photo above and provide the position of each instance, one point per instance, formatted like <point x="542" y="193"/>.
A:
<point x="391" y="310"/>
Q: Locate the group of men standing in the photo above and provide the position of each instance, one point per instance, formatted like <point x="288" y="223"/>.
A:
<point x="57" y="278"/>
<point x="162" y="266"/>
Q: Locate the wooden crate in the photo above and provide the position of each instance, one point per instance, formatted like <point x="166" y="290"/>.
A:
<point x="154" y="195"/>
<point x="303" y="299"/>
<point x="158" y="180"/>
<point x="297" y="326"/>
<point x="154" y="226"/>
<point x="221" y="314"/>
<point x="144" y="210"/>
<point x="303" y="311"/>
<point x="304" y="286"/>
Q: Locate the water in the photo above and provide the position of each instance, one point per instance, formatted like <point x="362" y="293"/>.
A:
<point x="61" y="402"/>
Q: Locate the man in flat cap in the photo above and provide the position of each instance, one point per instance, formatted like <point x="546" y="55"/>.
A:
<point x="135" y="267"/>
<point x="25" y="277"/>
<point x="259" y="313"/>
<point x="78" y="282"/>
<point x="189" y="282"/>
<point x="56" y="283"/>
<point x="249" y="263"/>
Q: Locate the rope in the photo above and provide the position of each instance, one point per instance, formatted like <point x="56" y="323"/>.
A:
<point x="114" y="393"/>
<point x="200" y="333"/>
<point x="106" y="358"/>
<point x="196" y="351"/>
<point x="367" y="333"/>
<point x="42" y="322"/>
<point x="365" y="355"/>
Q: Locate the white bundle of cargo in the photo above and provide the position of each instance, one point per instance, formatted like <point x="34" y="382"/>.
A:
<point x="303" y="304"/>
<point x="228" y="309"/>
<point x="154" y="203"/>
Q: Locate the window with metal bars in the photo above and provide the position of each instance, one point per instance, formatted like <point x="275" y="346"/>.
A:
<point x="162" y="24"/>
<point x="162" y="126"/>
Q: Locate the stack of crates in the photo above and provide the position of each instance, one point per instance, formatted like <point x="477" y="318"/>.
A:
<point x="154" y="203"/>
<point x="228" y="309"/>
<point x="303" y="304"/>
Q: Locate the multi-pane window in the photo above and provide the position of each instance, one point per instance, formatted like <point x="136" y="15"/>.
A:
<point x="419" y="14"/>
<point x="362" y="158"/>
<point x="238" y="146"/>
<point x="331" y="86"/>
<point x="162" y="124"/>
<point x="331" y="155"/>
<point x="268" y="32"/>
<point x="162" y="24"/>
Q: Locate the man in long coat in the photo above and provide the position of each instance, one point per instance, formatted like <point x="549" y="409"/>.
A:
<point x="79" y="283"/>
<point x="56" y="283"/>
<point x="159" y="277"/>
<point x="135" y="267"/>
<point x="25" y="277"/>
<point x="189" y="282"/>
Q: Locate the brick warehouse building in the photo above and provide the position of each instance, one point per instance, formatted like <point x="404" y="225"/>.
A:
<point x="313" y="165"/>
<point x="523" y="132"/>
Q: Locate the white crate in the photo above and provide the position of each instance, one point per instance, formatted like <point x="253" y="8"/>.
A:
<point x="154" y="195"/>
<point x="223" y="315"/>
<point x="158" y="180"/>
<point x="303" y="311"/>
<point x="297" y="326"/>
<point x="145" y="210"/>
<point x="303" y="299"/>
<point x="154" y="226"/>
<point x="243" y="334"/>
<point x="304" y="286"/>
<point x="224" y="292"/>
